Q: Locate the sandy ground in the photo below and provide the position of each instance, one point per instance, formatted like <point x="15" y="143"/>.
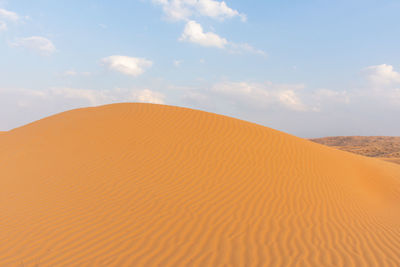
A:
<point x="152" y="185"/>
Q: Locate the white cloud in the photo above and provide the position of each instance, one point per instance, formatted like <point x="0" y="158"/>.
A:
<point x="84" y="97"/>
<point x="36" y="43"/>
<point x="245" y="48"/>
<point x="396" y="96"/>
<point x="72" y="72"/>
<point x="102" y="97"/>
<point x="331" y="95"/>
<point x="382" y="75"/>
<point x="127" y="65"/>
<point x="185" y="9"/>
<point x="8" y="15"/>
<point x="194" y="33"/>
<point x="291" y="100"/>
<point x="147" y="96"/>
<point x="382" y="86"/>
<point x="177" y="63"/>
<point x="92" y="97"/>
<point x="262" y="95"/>
<point x="5" y="16"/>
<point x="3" y="26"/>
<point x="175" y="9"/>
<point x="240" y="88"/>
<point x="380" y="90"/>
<point x="21" y="106"/>
<point x="195" y="98"/>
<point x="217" y="9"/>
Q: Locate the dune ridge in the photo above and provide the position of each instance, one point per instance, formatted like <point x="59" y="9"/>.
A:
<point x="155" y="185"/>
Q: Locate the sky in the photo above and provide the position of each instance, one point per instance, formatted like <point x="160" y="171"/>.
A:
<point x="311" y="68"/>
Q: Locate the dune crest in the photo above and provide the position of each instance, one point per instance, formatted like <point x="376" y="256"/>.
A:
<point x="154" y="185"/>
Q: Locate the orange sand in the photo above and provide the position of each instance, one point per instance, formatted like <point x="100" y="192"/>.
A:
<point x="152" y="185"/>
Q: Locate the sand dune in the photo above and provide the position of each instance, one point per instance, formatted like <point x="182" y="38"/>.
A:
<point x="152" y="185"/>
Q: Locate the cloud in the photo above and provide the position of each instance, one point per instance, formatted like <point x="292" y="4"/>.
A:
<point x="3" y="26"/>
<point x="396" y="96"/>
<point x="84" y="97"/>
<point x="69" y="73"/>
<point x="217" y="9"/>
<point x="92" y="97"/>
<point x="102" y="97"/>
<point x="177" y="63"/>
<point x="379" y="89"/>
<point x="291" y="100"/>
<point x="331" y="95"/>
<point x="262" y="95"/>
<point x="21" y="106"/>
<point x="245" y="48"/>
<point x="72" y="72"/>
<point x="382" y="86"/>
<point x="195" y="98"/>
<point x="148" y="96"/>
<point x="382" y="75"/>
<point x="8" y="15"/>
<point x="36" y="43"/>
<point x="194" y="33"/>
<point x="185" y="9"/>
<point x="127" y="65"/>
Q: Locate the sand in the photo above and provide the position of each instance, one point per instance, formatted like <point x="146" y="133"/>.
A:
<point x="153" y="185"/>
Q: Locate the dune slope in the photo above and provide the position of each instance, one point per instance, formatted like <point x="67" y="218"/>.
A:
<point x="152" y="185"/>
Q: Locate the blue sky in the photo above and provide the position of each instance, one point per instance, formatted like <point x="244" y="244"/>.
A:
<point x="310" y="68"/>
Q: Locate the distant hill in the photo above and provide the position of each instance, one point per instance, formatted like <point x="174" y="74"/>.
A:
<point x="384" y="147"/>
